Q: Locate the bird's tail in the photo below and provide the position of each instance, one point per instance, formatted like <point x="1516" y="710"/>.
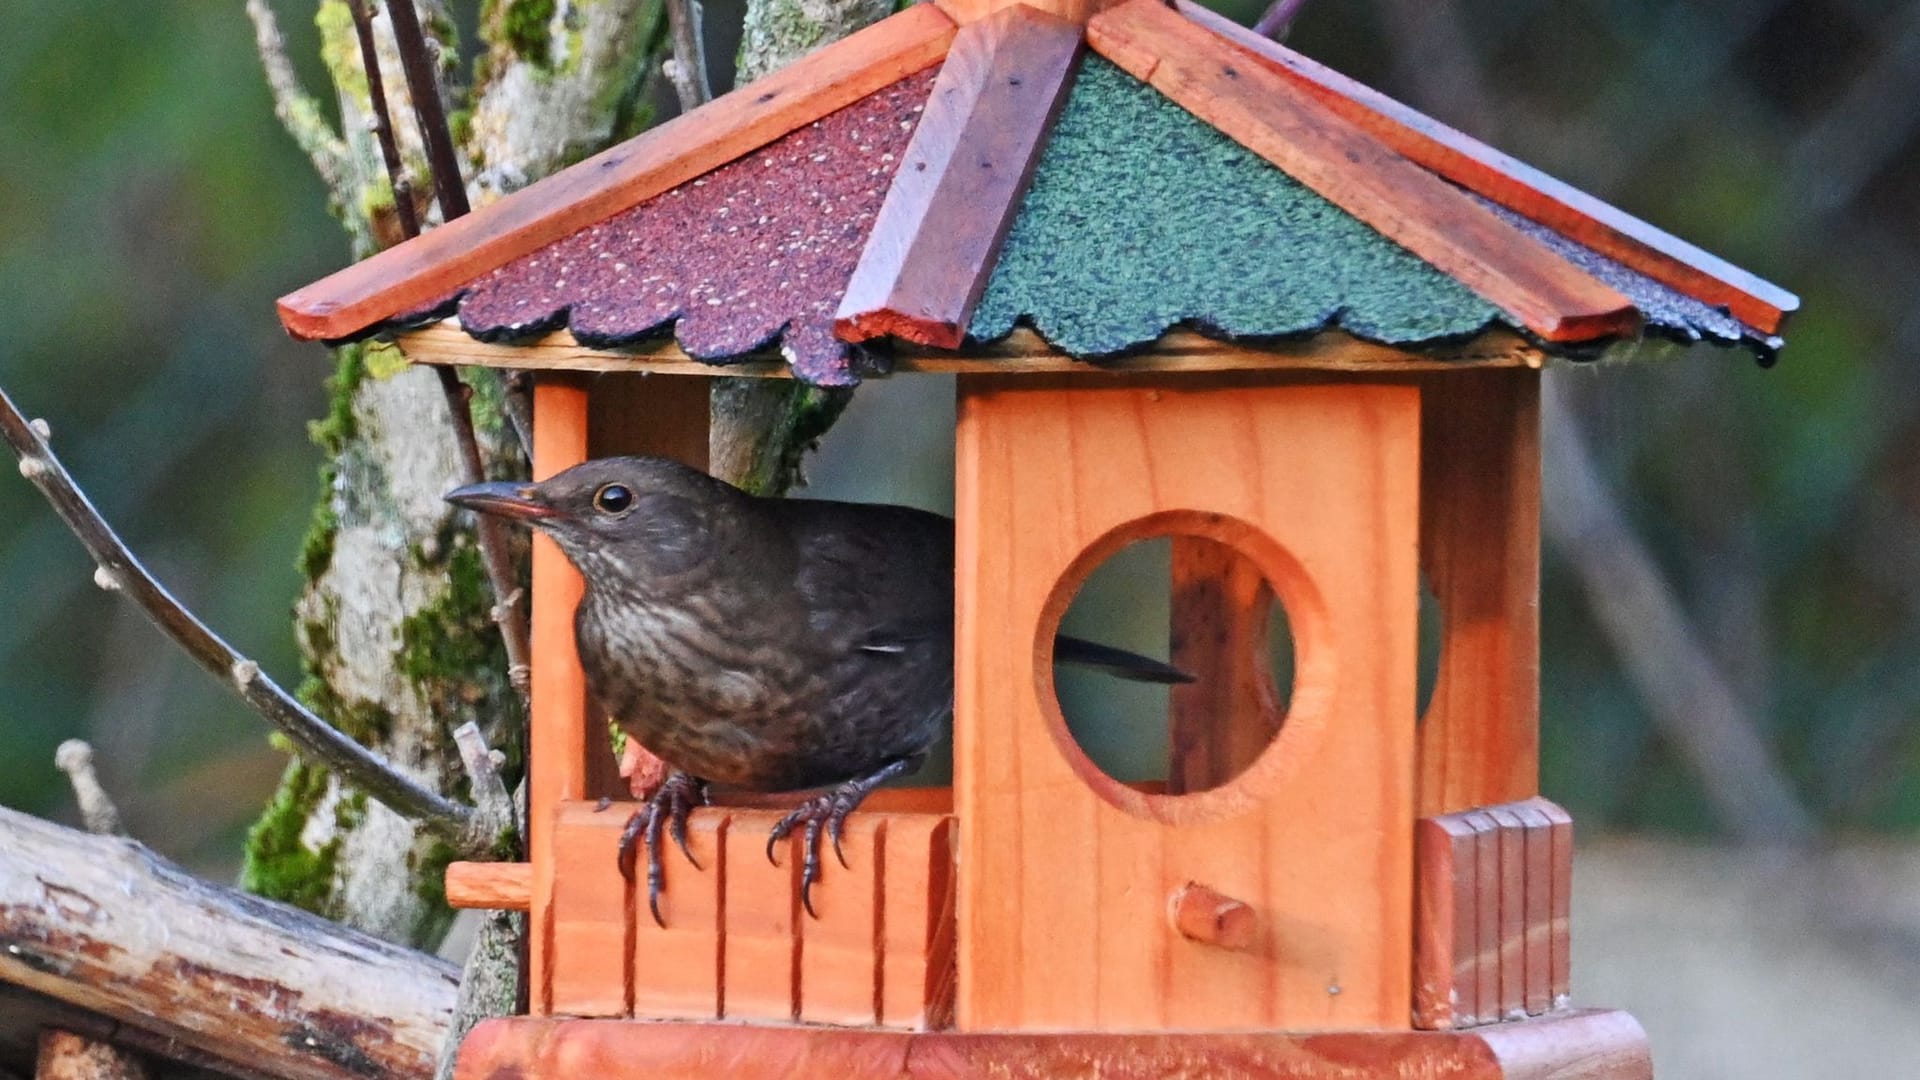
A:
<point x="1116" y="662"/>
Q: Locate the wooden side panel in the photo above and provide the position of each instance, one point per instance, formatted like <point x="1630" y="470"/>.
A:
<point x="1480" y="547"/>
<point x="1221" y="722"/>
<point x="1517" y="186"/>
<point x="917" y="962"/>
<point x="557" y="728"/>
<point x="1353" y="170"/>
<point x="840" y="948"/>
<point x="1065" y="874"/>
<point x="1567" y="1046"/>
<point x="676" y="968"/>
<point x="591" y="911"/>
<point x="931" y="249"/>
<point x="427" y="268"/>
<point x="761" y="973"/>
<point x="1445" y="945"/>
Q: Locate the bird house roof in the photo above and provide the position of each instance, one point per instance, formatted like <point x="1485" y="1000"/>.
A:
<point x="929" y="187"/>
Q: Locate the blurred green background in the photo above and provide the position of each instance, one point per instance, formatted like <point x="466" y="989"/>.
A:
<point x="151" y="209"/>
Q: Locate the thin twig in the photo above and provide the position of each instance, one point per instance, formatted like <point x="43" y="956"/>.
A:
<point x="514" y="631"/>
<point x="298" y="111"/>
<point x="687" y="70"/>
<point x="423" y="89"/>
<point x="397" y="178"/>
<point x="119" y="571"/>
<point x="1278" y="19"/>
<point x="75" y="758"/>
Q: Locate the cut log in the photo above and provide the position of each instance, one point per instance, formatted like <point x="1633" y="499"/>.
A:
<point x="104" y="924"/>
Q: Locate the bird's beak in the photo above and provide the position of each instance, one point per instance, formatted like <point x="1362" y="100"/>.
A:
<point x="518" y="502"/>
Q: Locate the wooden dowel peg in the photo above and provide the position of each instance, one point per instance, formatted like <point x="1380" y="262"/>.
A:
<point x="1206" y="916"/>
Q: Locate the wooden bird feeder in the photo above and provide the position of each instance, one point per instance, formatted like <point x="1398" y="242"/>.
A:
<point x="1194" y="286"/>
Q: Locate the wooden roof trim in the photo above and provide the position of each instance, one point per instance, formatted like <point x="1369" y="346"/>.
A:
<point x="959" y="185"/>
<point x="1351" y="169"/>
<point x="1518" y="186"/>
<point x="1022" y="352"/>
<point x="426" y="269"/>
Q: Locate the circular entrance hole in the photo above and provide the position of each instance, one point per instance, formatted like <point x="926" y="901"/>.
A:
<point x="1202" y="606"/>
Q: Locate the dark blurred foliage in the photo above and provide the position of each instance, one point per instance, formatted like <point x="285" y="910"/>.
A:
<point x="150" y="209"/>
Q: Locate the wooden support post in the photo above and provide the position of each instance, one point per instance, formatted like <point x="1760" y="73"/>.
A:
<point x="557" y="730"/>
<point x="1480" y="547"/>
<point x="1219" y="723"/>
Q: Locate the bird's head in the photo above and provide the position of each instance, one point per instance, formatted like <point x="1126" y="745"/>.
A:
<point x="617" y="517"/>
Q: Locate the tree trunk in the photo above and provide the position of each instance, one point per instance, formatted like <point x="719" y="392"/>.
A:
<point x="394" y="623"/>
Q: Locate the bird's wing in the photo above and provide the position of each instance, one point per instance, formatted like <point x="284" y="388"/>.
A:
<point x="877" y="577"/>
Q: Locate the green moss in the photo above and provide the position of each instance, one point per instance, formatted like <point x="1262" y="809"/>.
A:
<point x="1142" y="217"/>
<point x="340" y="48"/>
<point x="429" y="870"/>
<point x="331" y="434"/>
<point x="454" y="636"/>
<point x="526" y="26"/>
<point x="278" y="866"/>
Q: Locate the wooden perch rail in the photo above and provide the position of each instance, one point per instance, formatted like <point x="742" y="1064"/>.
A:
<point x="267" y="990"/>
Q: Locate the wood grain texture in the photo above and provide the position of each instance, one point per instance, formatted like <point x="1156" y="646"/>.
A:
<point x="591" y="915"/>
<point x="1356" y="172"/>
<point x="1538" y="944"/>
<point x="1517" y="186"/>
<point x="1022" y="352"/>
<point x="1480" y="548"/>
<point x="424" y="270"/>
<point x="841" y="948"/>
<point x="676" y="967"/>
<point x="1064" y="873"/>
<point x="917" y="948"/>
<point x="557" y="724"/>
<point x="498" y="886"/>
<point x="761" y="971"/>
<point x="1560" y="959"/>
<point x="1512" y="901"/>
<point x="1223" y="720"/>
<point x="959" y="184"/>
<point x="1486" y="915"/>
<point x="1569" y="1046"/>
<point x="1445" y="945"/>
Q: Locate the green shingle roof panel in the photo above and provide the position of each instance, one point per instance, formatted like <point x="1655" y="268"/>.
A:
<point x="1142" y="217"/>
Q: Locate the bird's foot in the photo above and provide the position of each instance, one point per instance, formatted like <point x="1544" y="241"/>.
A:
<point x="666" y="811"/>
<point x="829" y="809"/>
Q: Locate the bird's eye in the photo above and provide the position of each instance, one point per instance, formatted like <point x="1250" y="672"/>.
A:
<point x="613" y="499"/>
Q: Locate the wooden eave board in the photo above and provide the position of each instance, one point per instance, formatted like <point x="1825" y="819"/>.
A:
<point x="933" y="247"/>
<point x="1022" y="352"/>
<point x="1516" y="185"/>
<point x="1549" y="296"/>
<point x="424" y="270"/>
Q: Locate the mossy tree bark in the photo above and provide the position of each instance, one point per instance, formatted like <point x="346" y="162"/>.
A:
<point x="394" y="622"/>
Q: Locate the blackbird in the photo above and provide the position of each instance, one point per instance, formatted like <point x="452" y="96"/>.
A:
<point x="765" y="644"/>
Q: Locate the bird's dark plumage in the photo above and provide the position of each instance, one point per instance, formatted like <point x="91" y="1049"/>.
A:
<point x="765" y="644"/>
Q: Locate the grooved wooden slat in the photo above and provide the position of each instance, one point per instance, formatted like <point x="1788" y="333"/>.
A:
<point x="592" y="955"/>
<point x="1560" y="969"/>
<point x="1219" y="723"/>
<point x="1065" y="873"/>
<point x="761" y="974"/>
<point x="1568" y="1046"/>
<point x="497" y="886"/>
<point x="423" y="270"/>
<point x="676" y="968"/>
<point x="557" y="726"/>
<point x="1350" y="168"/>
<point x="1519" y="187"/>
<point x="1445" y="993"/>
<point x="959" y="185"/>
<point x="1513" y="911"/>
<point x="1539" y="900"/>
<point x="1486" y="916"/>
<point x="1480" y="547"/>
<point x="1022" y="352"/>
<point x="840" y="950"/>
<point x="916" y="963"/>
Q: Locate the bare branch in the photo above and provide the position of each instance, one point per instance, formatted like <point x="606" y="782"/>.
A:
<point x="1278" y="19"/>
<point x="397" y="176"/>
<point x="298" y="111"/>
<point x="120" y="571"/>
<point x="75" y="758"/>
<point x="687" y="70"/>
<point x="423" y="89"/>
<point x="490" y="795"/>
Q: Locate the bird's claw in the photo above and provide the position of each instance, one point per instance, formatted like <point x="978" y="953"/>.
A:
<point x="829" y="810"/>
<point x="668" y="810"/>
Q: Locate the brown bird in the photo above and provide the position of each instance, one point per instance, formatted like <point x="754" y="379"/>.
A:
<point x="759" y="643"/>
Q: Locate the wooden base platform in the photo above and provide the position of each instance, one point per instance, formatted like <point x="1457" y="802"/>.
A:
<point x="1582" y="1045"/>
